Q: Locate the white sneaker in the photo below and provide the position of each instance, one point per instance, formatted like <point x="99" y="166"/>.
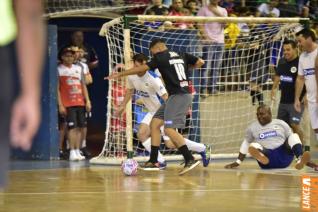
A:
<point x="79" y="155"/>
<point x="73" y="155"/>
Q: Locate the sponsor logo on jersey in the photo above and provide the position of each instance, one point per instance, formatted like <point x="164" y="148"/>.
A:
<point x="267" y="134"/>
<point x="142" y="93"/>
<point x="173" y="54"/>
<point x="168" y="122"/>
<point x="296" y="119"/>
<point x="293" y="69"/>
<point x="286" y="78"/>
<point x="309" y="71"/>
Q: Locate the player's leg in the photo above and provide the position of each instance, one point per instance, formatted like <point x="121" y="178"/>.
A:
<point x="62" y="125"/>
<point x="257" y="152"/>
<point x="144" y="136"/>
<point x="174" y="117"/>
<point x="73" y="132"/>
<point x="84" y="149"/>
<point x="313" y="114"/>
<point x="294" y="122"/>
<point x="203" y="149"/>
<point x="82" y="124"/>
<point x="156" y="123"/>
<point x="302" y="158"/>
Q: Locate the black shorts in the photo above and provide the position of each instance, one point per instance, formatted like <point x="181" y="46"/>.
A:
<point x="6" y="100"/>
<point x="287" y="113"/>
<point x="75" y="117"/>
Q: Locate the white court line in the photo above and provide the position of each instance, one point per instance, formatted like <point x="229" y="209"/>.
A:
<point x="149" y="191"/>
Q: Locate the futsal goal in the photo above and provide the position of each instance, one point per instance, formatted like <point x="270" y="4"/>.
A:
<point x="222" y="105"/>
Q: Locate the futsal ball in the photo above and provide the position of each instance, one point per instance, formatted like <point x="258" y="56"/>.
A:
<point x="129" y="167"/>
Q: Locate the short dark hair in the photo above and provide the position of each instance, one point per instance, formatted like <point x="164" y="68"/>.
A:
<point x="290" y="42"/>
<point x="306" y="33"/>
<point x="264" y="106"/>
<point x="140" y="58"/>
<point x="156" y="41"/>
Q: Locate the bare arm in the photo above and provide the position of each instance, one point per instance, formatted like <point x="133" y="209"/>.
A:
<point x="61" y="107"/>
<point x="165" y="97"/>
<point x="86" y="96"/>
<point x="275" y="87"/>
<point x="300" y="81"/>
<point x="241" y="156"/>
<point x="122" y="106"/>
<point x="26" y="113"/>
<point x="132" y="71"/>
<point x="199" y="63"/>
<point x="30" y="44"/>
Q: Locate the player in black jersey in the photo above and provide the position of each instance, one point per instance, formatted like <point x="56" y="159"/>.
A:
<point x="174" y="68"/>
<point x="285" y="77"/>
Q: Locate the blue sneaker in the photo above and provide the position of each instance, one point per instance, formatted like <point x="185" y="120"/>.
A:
<point x="206" y="155"/>
<point x="163" y="165"/>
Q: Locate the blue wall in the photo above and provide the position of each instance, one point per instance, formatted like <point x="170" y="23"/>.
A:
<point x="45" y="145"/>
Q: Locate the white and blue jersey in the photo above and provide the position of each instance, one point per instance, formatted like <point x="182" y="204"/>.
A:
<point x="147" y="87"/>
<point x="306" y="68"/>
<point x="272" y="138"/>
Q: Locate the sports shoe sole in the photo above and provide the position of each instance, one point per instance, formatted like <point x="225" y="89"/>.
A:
<point x="260" y="157"/>
<point x="185" y="170"/>
<point x="149" y="169"/>
<point x="303" y="161"/>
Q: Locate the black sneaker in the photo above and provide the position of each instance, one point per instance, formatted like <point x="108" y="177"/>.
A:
<point x="150" y="166"/>
<point x="188" y="166"/>
<point x="61" y="154"/>
<point x="86" y="153"/>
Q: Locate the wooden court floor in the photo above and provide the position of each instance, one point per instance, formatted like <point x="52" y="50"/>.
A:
<point x="81" y="187"/>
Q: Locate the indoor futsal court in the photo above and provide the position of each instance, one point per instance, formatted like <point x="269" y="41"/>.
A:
<point x="236" y="78"/>
<point x="65" y="186"/>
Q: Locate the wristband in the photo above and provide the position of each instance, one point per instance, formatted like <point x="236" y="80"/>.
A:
<point x="238" y="161"/>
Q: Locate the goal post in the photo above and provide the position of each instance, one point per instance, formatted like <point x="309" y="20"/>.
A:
<point x="218" y="119"/>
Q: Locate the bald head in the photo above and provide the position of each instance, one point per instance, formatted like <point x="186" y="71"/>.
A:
<point x="264" y="114"/>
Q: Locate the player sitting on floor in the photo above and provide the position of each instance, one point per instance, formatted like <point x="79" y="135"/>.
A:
<point x="272" y="143"/>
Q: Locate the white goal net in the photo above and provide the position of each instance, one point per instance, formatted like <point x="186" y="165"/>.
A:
<point x="222" y="104"/>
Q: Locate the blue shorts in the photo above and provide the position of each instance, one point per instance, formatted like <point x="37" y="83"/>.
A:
<point x="280" y="157"/>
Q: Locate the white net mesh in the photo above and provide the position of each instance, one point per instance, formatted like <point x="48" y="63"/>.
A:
<point x="222" y="105"/>
<point x="103" y="8"/>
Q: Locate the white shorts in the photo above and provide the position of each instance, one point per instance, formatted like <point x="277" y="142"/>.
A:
<point x="313" y="114"/>
<point x="147" y="119"/>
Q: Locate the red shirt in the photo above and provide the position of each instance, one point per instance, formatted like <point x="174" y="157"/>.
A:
<point x="70" y="80"/>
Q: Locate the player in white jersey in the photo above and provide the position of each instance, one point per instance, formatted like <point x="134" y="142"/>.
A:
<point x="306" y="75"/>
<point x="148" y="87"/>
<point x="272" y="143"/>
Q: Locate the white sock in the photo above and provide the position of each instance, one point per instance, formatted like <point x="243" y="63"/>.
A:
<point x="147" y="145"/>
<point x="78" y="153"/>
<point x="67" y="144"/>
<point x="73" y="153"/>
<point x="84" y="143"/>
<point x="194" y="146"/>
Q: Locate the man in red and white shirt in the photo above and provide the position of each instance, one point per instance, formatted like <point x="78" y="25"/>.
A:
<point x="73" y="100"/>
